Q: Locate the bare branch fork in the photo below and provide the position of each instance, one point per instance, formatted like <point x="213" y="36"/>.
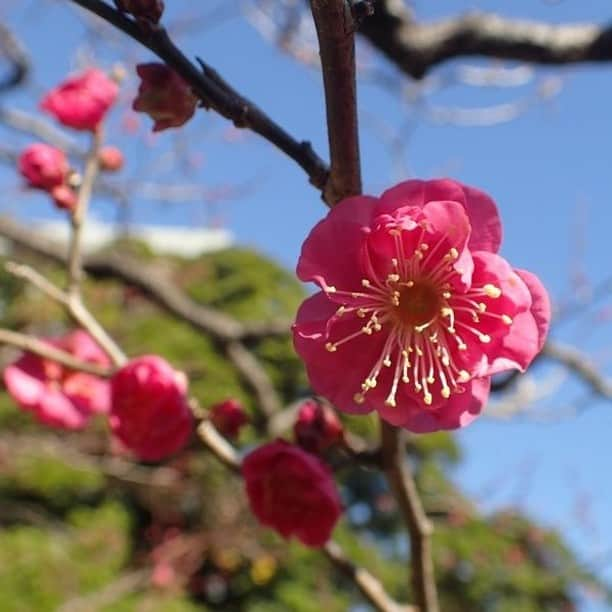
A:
<point x="214" y="92"/>
<point x="416" y="47"/>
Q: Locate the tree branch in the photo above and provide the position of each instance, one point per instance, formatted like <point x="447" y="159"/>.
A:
<point x="12" y="49"/>
<point x="419" y="526"/>
<point x="369" y="586"/>
<point x="418" y="47"/>
<point x="335" y="30"/>
<point x="41" y="348"/>
<point x="214" y="92"/>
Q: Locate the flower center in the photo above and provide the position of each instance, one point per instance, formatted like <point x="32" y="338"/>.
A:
<point x="418" y="305"/>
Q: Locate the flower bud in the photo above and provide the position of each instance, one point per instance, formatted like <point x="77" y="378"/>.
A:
<point x="43" y="166"/>
<point x="229" y="417"/>
<point x="110" y="159"/>
<point x="317" y="427"/>
<point x="164" y="96"/>
<point x="82" y="101"/>
<point x="64" y="197"/>
<point x="149" y="410"/>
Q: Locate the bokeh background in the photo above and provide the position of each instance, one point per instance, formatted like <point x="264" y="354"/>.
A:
<point x="536" y="139"/>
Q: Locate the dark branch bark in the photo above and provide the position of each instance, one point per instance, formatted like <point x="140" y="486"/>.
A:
<point x="214" y="92"/>
<point x="417" y="47"/>
<point x="13" y="51"/>
<point x="335" y="30"/>
<point x="419" y="526"/>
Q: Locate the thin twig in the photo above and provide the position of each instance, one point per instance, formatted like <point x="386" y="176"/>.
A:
<point x="73" y="305"/>
<point x="370" y="587"/>
<point x="335" y="30"/>
<point x="214" y="92"/>
<point x="218" y="446"/>
<point x="419" y="526"/>
<point x="45" y="350"/>
<point x="92" y="165"/>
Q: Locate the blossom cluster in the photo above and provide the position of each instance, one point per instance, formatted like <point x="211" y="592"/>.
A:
<point x="80" y="102"/>
<point x="145" y="401"/>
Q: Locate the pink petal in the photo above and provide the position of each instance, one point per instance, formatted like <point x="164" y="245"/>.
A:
<point x="481" y="210"/>
<point x="458" y="411"/>
<point x="418" y="193"/>
<point x="528" y="331"/>
<point x="338" y="375"/>
<point x="485" y="221"/>
<point x="330" y="252"/>
<point x="57" y="410"/>
<point x="21" y="382"/>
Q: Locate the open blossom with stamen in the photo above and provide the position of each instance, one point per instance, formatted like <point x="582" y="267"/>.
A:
<point x="417" y="311"/>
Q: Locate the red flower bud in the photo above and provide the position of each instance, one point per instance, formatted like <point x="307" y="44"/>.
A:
<point x="149" y="411"/>
<point x="110" y="159"/>
<point x="43" y="166"/>
<point x="64" y="197"/>
<point x="317" y="427"/>
<point x="82" y="101"/>
<point x="292" y="491"/>
<point x="164" y="96"/>
<point x="151" y="10"/>
<point x="229" y="417"/>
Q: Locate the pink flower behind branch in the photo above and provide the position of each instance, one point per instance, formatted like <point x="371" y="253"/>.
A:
<point x="82" y="101"/>
<point x="292" y="492"/>
<point x="149" y="410"/>
<point x="164" y="96"/>
<point x="58" y="396"/>
<point x="417" y="311"/>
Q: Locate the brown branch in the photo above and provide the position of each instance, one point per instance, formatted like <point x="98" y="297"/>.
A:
<point x="214" y="92"/>
<point x="12" y="50"/>
<point x="335" y="31"/>
<point x="418" y="47"/>
<point x="38" y="347"/>
<point x="369" y="586"/>
<point x="77" y="218"/>
<point x="219" y="446"/>
<point x="580" y="364"/>
<point x="419" y="526"/>
<point x="259" y="381"/>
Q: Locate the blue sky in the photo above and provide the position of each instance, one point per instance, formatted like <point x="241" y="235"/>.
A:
<point x="549" y="170"/>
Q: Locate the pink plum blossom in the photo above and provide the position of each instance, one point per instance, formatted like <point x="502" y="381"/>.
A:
<point x="82" y="101"/>
<point x="417" y="310"/>
<point x="149" y="410"/>
<point x="292" y="491"/>
<point x="56" y="395"/>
